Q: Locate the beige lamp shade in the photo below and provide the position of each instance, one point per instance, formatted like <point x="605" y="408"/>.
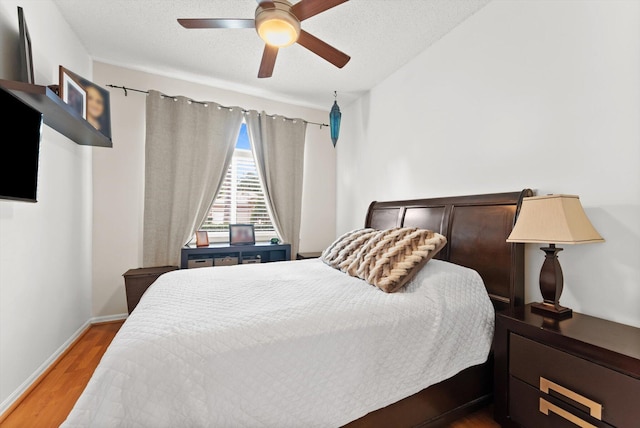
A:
<point x="553" y="219"/>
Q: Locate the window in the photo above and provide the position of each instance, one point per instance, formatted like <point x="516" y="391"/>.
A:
<point x="240" y="199"/>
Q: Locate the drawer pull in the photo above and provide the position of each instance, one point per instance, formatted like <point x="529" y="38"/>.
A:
<point x="546" y="407"/>
<point x="595" y="409"/>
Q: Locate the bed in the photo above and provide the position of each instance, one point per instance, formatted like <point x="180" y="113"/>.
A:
<point x="302" y="344"/>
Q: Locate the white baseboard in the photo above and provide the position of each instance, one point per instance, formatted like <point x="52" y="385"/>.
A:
<point x="108" y="318"/>
<point x="17" y="394"/>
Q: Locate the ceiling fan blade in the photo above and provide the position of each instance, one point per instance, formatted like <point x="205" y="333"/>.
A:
<point x="268" y="61"/>
<point x="305" y="9"/>
<point x="320" y="48"/>
<point x="217" y="23"/>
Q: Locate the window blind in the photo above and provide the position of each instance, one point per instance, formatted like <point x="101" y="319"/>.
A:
<point x="240" y="199"/>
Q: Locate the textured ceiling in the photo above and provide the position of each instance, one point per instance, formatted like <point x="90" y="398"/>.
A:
<point x="379" y="35"/>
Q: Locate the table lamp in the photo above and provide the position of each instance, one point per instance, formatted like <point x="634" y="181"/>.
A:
<point x="552" y="219"/>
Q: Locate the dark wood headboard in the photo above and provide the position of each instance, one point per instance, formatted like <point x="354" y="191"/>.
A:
<point x="476" y="227"/>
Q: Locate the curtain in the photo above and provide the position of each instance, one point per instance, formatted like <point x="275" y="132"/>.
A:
<point x="188" y="148"/>
<point x="278" y="148"/>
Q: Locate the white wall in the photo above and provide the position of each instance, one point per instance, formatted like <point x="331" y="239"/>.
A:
<point x="118" y="184"/>
<point x="91" y="202"/>
<point x="45" y="247"/>
<point x="533" y="94"/>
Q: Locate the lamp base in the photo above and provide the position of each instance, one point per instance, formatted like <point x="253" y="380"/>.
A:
<point x="551" y="310"/>
<point x="551" y="282"/>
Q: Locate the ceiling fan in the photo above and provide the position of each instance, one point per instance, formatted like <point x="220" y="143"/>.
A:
<point x="278" y="24"/>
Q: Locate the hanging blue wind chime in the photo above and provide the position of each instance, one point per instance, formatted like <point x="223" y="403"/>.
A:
<point x="334" y="119"/>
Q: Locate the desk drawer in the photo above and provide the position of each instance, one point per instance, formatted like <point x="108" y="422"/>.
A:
<point x="583" y="385"/>
<point x="198" y="263"/>
<point x="225" y="261"/>
<point x="531" y="408"/>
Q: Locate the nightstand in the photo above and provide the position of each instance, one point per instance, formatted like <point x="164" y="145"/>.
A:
<point x="304" y="256"/>
<point x="581" y="371"/>
<point x="136" y="282"/>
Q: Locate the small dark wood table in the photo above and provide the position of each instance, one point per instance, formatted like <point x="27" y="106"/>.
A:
<point x="311" y="255"/>
<point x="581" y="371"/>
<point x="136" y="282"/>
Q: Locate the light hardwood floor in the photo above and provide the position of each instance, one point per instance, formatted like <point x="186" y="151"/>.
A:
<point x="49" y="403"/>
<point x="51" y="400"/>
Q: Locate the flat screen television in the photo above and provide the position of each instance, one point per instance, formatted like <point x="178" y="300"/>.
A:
<point x="19" y="148"/>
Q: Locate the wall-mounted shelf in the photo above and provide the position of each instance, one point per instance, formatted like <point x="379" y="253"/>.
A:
<point x="56" y="113"/>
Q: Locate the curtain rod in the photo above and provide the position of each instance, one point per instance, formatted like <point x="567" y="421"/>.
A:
<point x="125" y="89"/>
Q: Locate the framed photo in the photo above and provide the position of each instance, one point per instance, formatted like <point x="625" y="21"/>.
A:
<point x="98" y="105"/>
<point x="202" y="238"/>
<point x="26" y="55"/>
<point x="241" y="234"/>
<point x="73" y="94"/>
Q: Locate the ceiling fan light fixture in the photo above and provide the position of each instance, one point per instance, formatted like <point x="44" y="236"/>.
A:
<point x="277" y="23"/>
<point x="277" y="27"/>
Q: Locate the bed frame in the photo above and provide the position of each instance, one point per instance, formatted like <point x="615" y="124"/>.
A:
<point x="476" y="228"/>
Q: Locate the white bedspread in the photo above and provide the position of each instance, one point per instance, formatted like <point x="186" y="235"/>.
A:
<point x="287" y="344"/>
